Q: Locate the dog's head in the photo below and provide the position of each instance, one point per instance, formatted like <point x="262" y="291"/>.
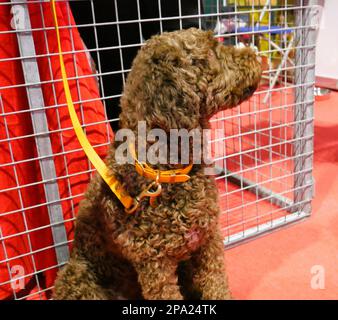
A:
<point x="181" y="79"/>
<point x="237" y="72"/>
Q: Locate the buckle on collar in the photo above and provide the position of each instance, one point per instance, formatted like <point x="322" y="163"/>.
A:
<point x="154" y="189"/>
<point x="147" y="192"/>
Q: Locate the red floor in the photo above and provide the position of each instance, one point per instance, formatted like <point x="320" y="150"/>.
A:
<point x="278" y="266"/>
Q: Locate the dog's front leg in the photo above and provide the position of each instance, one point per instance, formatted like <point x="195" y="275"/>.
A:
<point x="209" y="270"/>
<point x="158" y="279"/>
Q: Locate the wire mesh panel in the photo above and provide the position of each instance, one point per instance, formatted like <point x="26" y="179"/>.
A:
<point x="263" y="148"/>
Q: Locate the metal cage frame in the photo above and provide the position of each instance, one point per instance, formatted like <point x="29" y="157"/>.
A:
<point x="294" y="208"/>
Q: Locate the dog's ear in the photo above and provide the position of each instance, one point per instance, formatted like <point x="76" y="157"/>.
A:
<point x="170" y="91"/>
<point x="165" y="53"/>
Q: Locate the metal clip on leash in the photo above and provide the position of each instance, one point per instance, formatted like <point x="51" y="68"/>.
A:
<point x="147" y="192"/>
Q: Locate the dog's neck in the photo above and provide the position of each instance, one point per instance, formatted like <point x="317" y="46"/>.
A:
<point x="135" y="183"/>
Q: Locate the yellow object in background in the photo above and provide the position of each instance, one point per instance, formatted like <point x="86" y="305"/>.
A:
<point x="252" y="2"/>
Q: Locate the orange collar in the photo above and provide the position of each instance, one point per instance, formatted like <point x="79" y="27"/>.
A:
<point x="163" y="176"/>
<point x="154" y="189"/>
<point x="160" y="176"/>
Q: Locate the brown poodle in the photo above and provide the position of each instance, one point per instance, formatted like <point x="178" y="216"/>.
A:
<point x="174" y="250"/>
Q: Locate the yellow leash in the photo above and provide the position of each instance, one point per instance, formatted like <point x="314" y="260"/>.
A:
<point x="94" y="158"/>
<point x="154" y="189"/>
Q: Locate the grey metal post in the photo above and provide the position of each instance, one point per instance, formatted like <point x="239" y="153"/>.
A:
<point x="21" y="22"/>
<point x="304" y="98"/>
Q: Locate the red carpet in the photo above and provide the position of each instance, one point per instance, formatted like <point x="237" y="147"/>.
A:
<point x="279" y="265"/>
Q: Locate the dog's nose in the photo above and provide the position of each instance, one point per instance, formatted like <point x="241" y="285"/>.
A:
<point x="247" y="92"/>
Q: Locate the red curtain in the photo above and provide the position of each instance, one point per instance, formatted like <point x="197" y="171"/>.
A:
<point x="22" y="207"/>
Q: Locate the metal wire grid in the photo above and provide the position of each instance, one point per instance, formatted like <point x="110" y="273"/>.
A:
<point x="265" y="149"/>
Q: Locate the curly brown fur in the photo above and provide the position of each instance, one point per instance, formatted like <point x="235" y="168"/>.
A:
<point x="174" y="251"/>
